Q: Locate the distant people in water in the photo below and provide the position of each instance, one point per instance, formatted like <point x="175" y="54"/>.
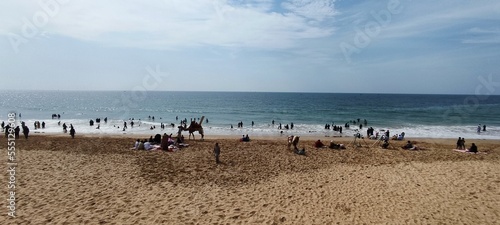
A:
<point x="484" y="127"/>
<point x="479" y="128"/>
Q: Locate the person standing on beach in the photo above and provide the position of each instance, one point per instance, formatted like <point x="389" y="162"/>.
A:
<point x="217" y="153"/>
<point x="72" y="132"/>
<point x="26" y="131"/>
<point x="17" y="130"/>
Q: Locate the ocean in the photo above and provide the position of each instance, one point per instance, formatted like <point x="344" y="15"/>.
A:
<point x="429" y="116"/>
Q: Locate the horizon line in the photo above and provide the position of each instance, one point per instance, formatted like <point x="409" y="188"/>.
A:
<point x="233" y="91"/>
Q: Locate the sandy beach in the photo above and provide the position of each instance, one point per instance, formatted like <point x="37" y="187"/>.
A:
<point x="100" y="180"/>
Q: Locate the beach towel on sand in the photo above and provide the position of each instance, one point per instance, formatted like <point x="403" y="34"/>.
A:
<point x="467" y="151"/>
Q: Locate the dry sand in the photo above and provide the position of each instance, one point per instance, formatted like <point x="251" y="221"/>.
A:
<point x="96" y="180"/>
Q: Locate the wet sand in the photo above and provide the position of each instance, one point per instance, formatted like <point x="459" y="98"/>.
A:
<point x="97" y="180"/>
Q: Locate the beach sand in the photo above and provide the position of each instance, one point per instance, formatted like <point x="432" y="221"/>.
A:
<point x="100" y="180"/>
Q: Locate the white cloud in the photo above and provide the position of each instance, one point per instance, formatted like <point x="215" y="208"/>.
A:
<point x="176" y="23"/>
<point x="483" y="36"/>
<point x="312" y="9"/>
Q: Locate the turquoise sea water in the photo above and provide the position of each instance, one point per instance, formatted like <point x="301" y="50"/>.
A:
<point x="416" y="115"/>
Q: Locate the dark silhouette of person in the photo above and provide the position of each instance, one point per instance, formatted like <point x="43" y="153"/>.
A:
<point x="7" y="130"/>
<point x="473" y="148"/>
<point x="72" y="132"/>
<point x="26" y="131"/>
<point x="484" y="127"/>
<point x="385" y="145"/>
<point x="157" y="138"/>
<point x="459" y="143"/>
<point x="17" y="130"/>
<point x="217" y="153"/>
<point x="408" y="145"/>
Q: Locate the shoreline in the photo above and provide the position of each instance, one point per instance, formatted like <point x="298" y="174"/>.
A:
<point x="257" y="137"/>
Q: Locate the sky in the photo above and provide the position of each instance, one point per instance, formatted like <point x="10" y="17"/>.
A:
<point x="338" y="46"/>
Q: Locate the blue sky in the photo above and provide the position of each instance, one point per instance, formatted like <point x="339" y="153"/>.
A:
<point x="434" y="47"/>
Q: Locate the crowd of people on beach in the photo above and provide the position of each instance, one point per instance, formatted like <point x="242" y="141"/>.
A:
<point x="158" y="142"/>
<point x="168" y="143"/>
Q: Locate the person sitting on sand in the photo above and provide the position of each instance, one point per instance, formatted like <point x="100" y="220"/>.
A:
<point x="300" y="152"/>
<point x="385" y="145"/>
<point x="319" y="144"/>
<point x="147" y="146"/>
<point x="164" y="142"/>
<point x="157" y="139"/>
<point x="473" y="148"/>
<point x="141" y="145"/>
<point x="336" y="146"/>
<point x="408" y="146"/>
<point x="293" y="141"/>
<point x="180" y="139"/>
<point x="136" y="144"/>
<point x="245" y="138"/>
